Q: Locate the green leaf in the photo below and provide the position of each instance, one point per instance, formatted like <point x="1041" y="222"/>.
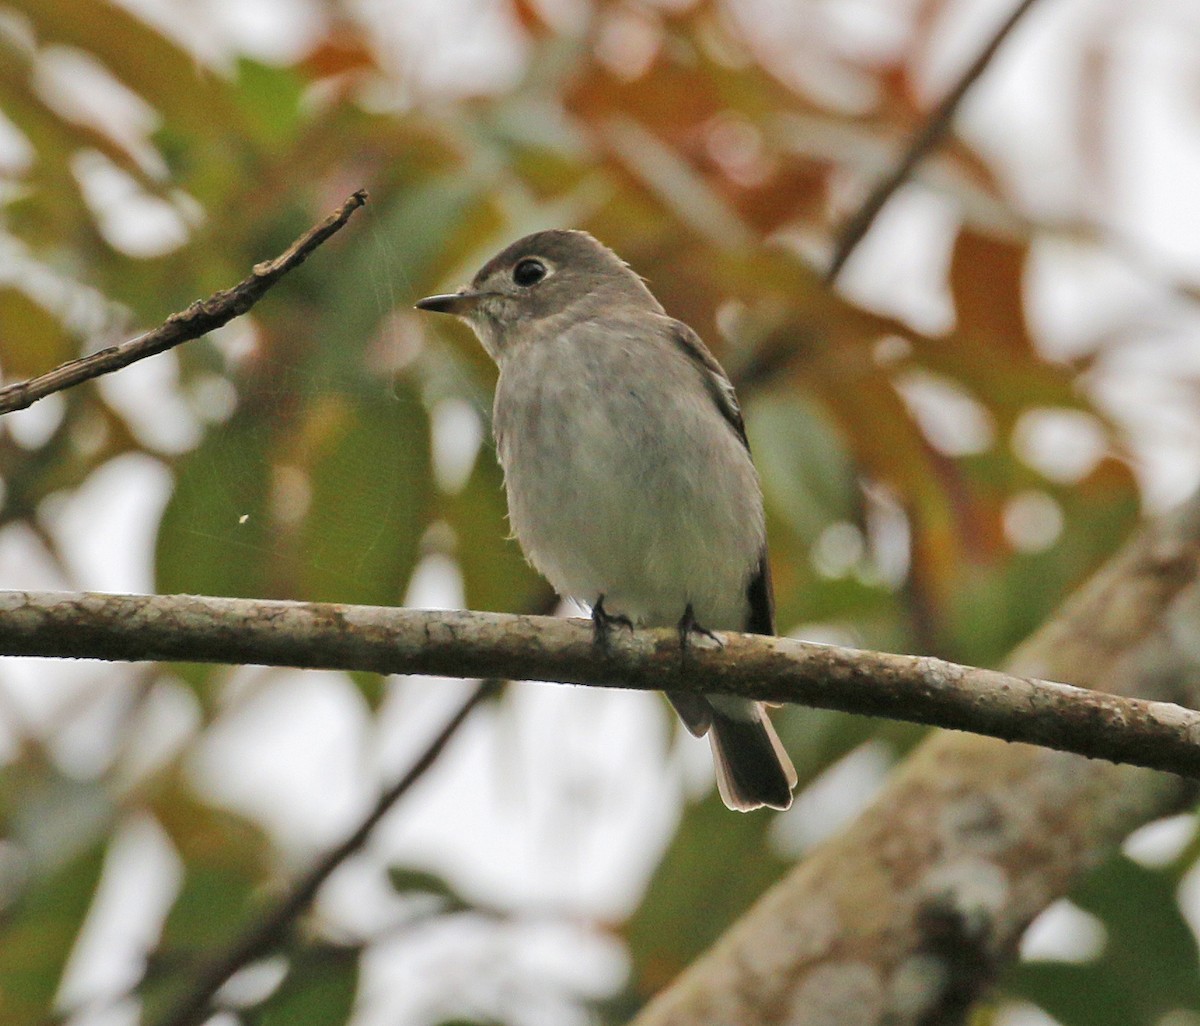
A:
<point x="496" y="575"/>
<point x="215" y="535"/>
<point x="1150" y="964"/>
<point x="407" y="241"/>
<point x="225" y="863"/>
<point x="51" y="816"/>
<point x="165" y="75"/>
<point x="38" y="932"/>
<point x="318" y="990"/>
<point x="718" y="863"/>
<point x="419" y="882"/>
<point x="32" y="338"/>
<point x="372" y="485"/>
<point x="806" y="471"/>
<point x="270" y="97"/>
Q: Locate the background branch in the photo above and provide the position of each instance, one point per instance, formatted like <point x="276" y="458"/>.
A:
<point x="273" y="927"/>
<point x="270" y="930"/>
<point x="470" y="644"/>
<point x="930" y="132"/>
<point x="200" y="318"/>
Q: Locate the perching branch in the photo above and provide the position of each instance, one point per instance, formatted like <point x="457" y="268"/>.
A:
<point x="469" y="644"/>
<point x="922" y="142"/>
<point x="200" y="318"/>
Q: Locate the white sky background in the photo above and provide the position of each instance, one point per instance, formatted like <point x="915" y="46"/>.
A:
<point x="558" y="801"/>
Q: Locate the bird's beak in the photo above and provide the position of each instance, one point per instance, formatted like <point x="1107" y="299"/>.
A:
<point x="457" y="303"/>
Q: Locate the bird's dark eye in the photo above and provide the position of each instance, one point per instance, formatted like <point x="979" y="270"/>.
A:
<point x="529" y="272"/>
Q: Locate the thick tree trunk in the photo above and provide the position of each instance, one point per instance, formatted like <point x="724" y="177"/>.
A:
<point x="908" y="916"/>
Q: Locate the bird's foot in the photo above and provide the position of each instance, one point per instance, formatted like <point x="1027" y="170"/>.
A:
<point x="603" y="623"/>
<point x="688" y="626"/>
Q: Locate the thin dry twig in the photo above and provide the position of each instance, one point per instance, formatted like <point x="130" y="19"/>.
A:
<point x="930" y="132"/>
<point x="462" y="643"/>
<point x="270" y="930"/>
<point x="200" y="318"/>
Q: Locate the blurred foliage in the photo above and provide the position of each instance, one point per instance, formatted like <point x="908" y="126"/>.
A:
<point x="1159" y="950"/>
<point x="671" y="134"/>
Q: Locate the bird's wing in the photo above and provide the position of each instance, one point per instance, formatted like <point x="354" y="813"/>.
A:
<point x="715" y="378"/>
<point x="759" y="594"/>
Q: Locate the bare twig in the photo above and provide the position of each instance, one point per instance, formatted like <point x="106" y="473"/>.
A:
<point x="922" y="142"/>
<point x="201" y="317"/>
<point x="469" y="644"/>
<point x="271" y="929"/>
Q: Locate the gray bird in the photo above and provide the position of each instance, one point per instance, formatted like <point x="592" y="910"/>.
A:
<point x="629" y="479"/>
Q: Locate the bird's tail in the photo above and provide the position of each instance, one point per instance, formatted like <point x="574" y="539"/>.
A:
<point x="752" y="767"/>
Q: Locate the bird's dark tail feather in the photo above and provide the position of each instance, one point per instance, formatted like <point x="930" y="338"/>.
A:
<point x="753" y="769"/>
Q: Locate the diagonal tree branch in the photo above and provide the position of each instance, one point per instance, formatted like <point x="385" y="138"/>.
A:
<point x="274" y="925"/>
<point x="200" y="318"/>
<point x="271" y="930"/>
<point x="922" y="142"/>
<point x="470" y="644"/>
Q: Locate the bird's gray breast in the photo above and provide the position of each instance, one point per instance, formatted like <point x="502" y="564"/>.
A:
<point x="624" y="478"/>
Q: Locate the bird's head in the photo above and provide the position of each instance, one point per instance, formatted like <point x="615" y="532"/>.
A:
<point x="541" y="284"/>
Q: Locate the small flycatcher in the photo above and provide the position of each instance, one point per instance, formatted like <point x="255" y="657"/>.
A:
<point x="629" y="479"/>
